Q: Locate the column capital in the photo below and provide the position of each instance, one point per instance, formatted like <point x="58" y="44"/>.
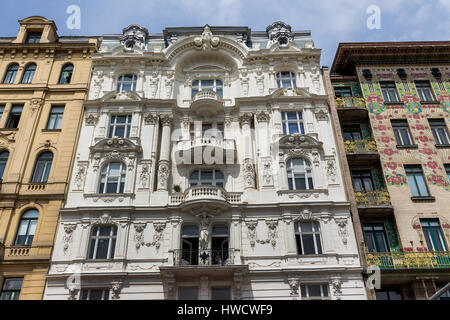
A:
<point x="246" y="118"/>
<point x="166" y="119"/>
<point x="263" y="116"/>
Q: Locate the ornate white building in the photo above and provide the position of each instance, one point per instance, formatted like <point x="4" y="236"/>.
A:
<point x="206" y="168"/>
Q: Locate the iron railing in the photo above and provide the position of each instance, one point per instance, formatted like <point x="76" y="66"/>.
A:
<point x="360" y="145"/>
<point x="373" y="198"/>
<point x="209" y="257"/>
<point x="350" y="102"/>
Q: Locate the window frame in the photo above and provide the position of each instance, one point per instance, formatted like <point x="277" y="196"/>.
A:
<point x="441" y="138"/>
<point x="304" y="288"/>
<point x="94" y="240"/>
<point x="339" y="94"/>
<point x="104" y="174"/>
<point x="28" y="75"/>
<point x="387" y="88"/>
<point x="3" y="162"/>
<point x="105" y="292"/>
<point x="62" y="78"/>
<point x="400" y="127"/>
<point x="121" y="82"/>
<point x="422" y="88"/>
<point x="112" y="128"/>
<point x="204" y="182"/>
<point x="11" y="75"/>
<point x="282" y="76"/>
<point x="188" y="287"/>
<point x="31" y="223"/>
<point x="221" y="288"/>
<point x="316" y="236"/>
<point x="430" y="236"/>
<point x="361" y="175"/>
<point x="57" y="120"/>
<point x="11" y="291"/>
<point x="291" y="174"/>
<point x="285" y="122"/>
<point x="14" y="117"/>
<point x="374" y="238"/>
<point x="34" y="38"/>
<point x="44" y="175"/>
<point x="415" y="175"/>
<point x="196" y="86"/>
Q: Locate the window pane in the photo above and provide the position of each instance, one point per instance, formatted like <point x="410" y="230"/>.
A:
<point x="308" y="244"/>
<point x="187" y="293"/>
<point x="102" y="248"/>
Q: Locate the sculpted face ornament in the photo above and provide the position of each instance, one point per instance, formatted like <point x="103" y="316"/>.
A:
<point x="207" y="41"/>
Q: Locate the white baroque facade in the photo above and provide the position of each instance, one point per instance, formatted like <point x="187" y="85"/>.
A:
<point x="206" y="168"/>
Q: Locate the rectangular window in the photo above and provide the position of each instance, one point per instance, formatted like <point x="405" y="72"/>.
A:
<point x="188" y="293"/>
<point x="292" y="122"/>
<point x="440" y="131"/>
<point x="307" y="236"/>
<point x="34" y="37"/>
<point x="14" y="116"/>
<point x="120" y="126"/>
<point x="362" y="180"/>
<point x="314" y="291"/>
<point x="11" y="289"/>
<point x="446" y="294"/>
<point x="220" y="294"/>
<point x="389" y="91"/>
<point x="352" y="132"/>
<point x="342" y="92"/>
<point x="2" y="109"/>
<point x="94" y="294"/>
<point x="389" y="294"/>
<point x="402" y="133"/>
<point x="55" y="118"/>
<point x="433" y="234"/>
<point x="425" y="91"/>
<point x="416" y="181"/>
<point x="375" y="237"/>
<point x="447" y="169"/>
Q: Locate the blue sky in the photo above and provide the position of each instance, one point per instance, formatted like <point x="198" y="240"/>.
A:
<point x="331" y="21"/>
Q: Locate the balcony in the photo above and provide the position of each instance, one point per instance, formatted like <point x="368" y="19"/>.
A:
<point x="26" y="253"/>
<point x="210" y="257"/>
<point x="408" y="260"/>
<point x="211" y="195"/>
<point x="360" y="145"/>
<point x="373" y="198"/>
<point x="206" y="103"/>
<point x="199" y="149"/>
<point x="350" y="102"/>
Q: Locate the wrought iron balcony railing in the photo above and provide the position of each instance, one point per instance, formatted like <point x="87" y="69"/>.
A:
<point x="373" y="198"/>
<point x="210" y="257"/>
<point x="360" y="145"/>
<point x="350" y="102"/>
<point x="408" y="260"/>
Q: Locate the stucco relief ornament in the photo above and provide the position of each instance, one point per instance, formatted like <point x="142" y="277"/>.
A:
<point x="154" y="80"/>
<point x="343" y="233"/>
<point x="251" y="227"/>
<point x="150" y="118"/>
<point x="244" y="82"/>
<point x="134" y="35"/>
<point x="205" y="222"/>
<point x="163" y="174"/>
<point x="293" y="285"/>
<point x="98" y="81"/>
<point x="305" y="214"/>
<point x="267" y="172"/>
<point x="36" y="104"/>
<point x="321" y="114"/>
<point x="272" y="233"/>
<point x="280" y="32"/>
<point x="331" y="170"/>
<point x="207" y="41"/>
<point x="336" y="285"/>
<point x="91" y="119"/>
<point x="67" y="237"/>
<point x="139" y="234"/>
<point x="169" y="84"/>
<point x="80" y="175"/>
<point x="260" y="81"/>
<point x="249" y="173"/>
<point x="144" y="176"/>
<point x="116" y="287"/>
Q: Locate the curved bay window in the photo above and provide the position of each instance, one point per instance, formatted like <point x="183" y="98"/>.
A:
<point x="207" y="178"/>
<point x="307" y="236"/>
<point x="103" y="242"/>
<point x="11" y="73"/>
<point x="28" y="74"/>
<point x="27" y="228"/>
<point x="66" y="74"/>
<point x="112" y="178"/>
<point x="189" y="245"/>
<point x="219" y="244"/>
<point x="299" y="174"/>
<point x="286" y="79"/>
<point x="3" y="161"/>
<point x="215" y="85"/>
<point x="42" y="168"/>
<point x="127" y="83"/>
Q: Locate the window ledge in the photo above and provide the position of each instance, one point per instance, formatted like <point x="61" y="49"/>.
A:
<point x="429" y="102"/>
<point x="424" y="198"/>
<point x="9" y="129"/>
<point x="398" y="103"/>
<point x="109" y="197"/>
<point x="410" y="146"/>
<point x="51" y="130"/>
<point x="442" y="145"/>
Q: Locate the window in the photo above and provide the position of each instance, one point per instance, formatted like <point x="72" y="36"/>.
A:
<point x="299" y="174"/>
<point x="29" y="73"/>
<point x="307" y="236"/>
<point x="424" y="90"/>
<point x="447" y="169"/>
<point x="55" y="118"/>
<point x="352" y="132"/>
<point x="3" y="161"/>
<point x="389" y="294"/>
<point x="33" y="37"/>
<point x="446" y="294"/>
<point x="189" y="245"/>
<point x="66" y="74"/>
<point x="286" y="79"/>
<point x="292" y="122"/>
<point x="207" y="178"/>
<point x="113" y="178"/>
<point x="188" y="293"/>
<point x="94" y="294"/>
<point x="214" y="85"/>
<point x="375" y="237"/>
<point x="11" y="73"/>
<point x="11" y="289"/>
<point x="389" y="91"/>
<point x="27" y="228"/>
<point x="439" y="130"/>
<point x="433" y="234"/>
<point x="2" y="109"/>
<point x="402" y="133"/>
<point x="103" y="242"/>
<point x="220" y="293"/>
<point x="342" y="92"/>
<point x="362" y="180"/>
<point x="120" y="126"/>
<point x="314" y="291"/>
<point x="219" y="244"/>
<point x="127" y="83"/>
<point x="14" y="116"/>
<point x="42" y="168"/>
<point x="416" y="181"/>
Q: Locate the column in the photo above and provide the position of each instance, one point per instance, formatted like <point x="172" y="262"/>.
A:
<point x="164" y="156"/>
<point x="249" y="164"/>
<point x="264" y="140"/>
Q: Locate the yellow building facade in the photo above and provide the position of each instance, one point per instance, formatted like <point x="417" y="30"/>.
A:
<point x="44" y="81"/>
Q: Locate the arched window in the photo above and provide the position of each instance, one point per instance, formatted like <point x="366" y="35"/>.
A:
<point x="42" y="168"/>
<point x="215" y="85"/>
<point x="127" y="83"/>
<point x="66" y="74"/>
<point x="29" y="73"/>
<point x="299" y="174"/>
<point x="112" y="178"/>
<point x="207" y="177"/>
<point x="27" y="228"/>
<point x="11" y="73"/>
<point x="103" y="242"/>
<point x="3" y="161"/>
<point x="286" y="79"/>
<point x="307" y="236"/>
